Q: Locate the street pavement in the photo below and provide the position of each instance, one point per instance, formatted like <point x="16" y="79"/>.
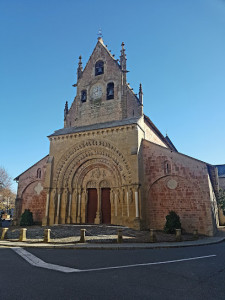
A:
<point x="200" y="242"/>
<point x="166" y="273"/>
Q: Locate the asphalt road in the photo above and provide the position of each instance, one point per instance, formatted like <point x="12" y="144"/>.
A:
<point x="200" y="278"/>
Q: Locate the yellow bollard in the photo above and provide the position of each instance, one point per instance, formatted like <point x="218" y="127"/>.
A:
<point x="178" y="235"/>
<point x="152" y="236"/>
<point x="23" y="235"/>
<point x="82" y="236"/>
<point x="47" y="237"/>
<point x="119" y="236"/>
<point x="195" y="234"/>
<point x="4" y="231"/>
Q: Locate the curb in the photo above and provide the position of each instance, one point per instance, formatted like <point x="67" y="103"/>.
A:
<point x="135" y="246"/>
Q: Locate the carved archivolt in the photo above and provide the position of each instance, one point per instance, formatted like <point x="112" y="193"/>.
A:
<point x="104" y="184"/>
<point x="88" y="155"/>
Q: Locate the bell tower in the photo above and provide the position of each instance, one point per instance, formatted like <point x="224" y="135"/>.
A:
<point x="103" y="94"/>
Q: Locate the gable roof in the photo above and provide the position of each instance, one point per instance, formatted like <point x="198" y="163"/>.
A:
<point x="101" y="44"/>
<point x="17" y="178"/>
<point x="167" y="141"/>
<point x="170" y="142"/>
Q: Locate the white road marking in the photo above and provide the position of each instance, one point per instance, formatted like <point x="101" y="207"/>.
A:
<point x="149" y="264"/>
<point x="37" y="262"/>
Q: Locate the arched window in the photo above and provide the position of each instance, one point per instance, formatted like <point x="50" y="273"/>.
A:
<point x="110" y="91"/>
<point x="167" y="167"/>
<point x="83" y="96"/>
<point x="39" y="173"/>
<point x="99" y="68"/>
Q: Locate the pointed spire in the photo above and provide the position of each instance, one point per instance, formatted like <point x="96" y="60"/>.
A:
<point x="123" y="59"/>
<point x="140" y="94"/>
<point x="66" y="110"/>
<point x="80" y="68"/>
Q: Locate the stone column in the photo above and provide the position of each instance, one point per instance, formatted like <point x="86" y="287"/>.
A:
<point x="115" y="203"/>
<point x="83" y="205"/>
<point x="78" y="205"/>
<point x="74" y="206"/>
<point x="64" y="199"/>
<point x="58" y="208"/>
<point x="122" y="202"/>
<point x="112" y="204"/>
<point x="98" y="213"/>
<point x="119" y="205"/>
<point x="137" y="223"/>
<point x="52" y="206"/>
<point x="128" y="209"/>
<point x="68" y="220"/>
<point x="136" y="203"/>
<point x="45" y="220"/>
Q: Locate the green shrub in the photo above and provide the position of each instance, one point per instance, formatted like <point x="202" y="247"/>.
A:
<point x="26" y="218"/>
<point x="172" y="222"/>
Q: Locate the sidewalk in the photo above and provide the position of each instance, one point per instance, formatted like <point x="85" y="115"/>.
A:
<point x="104" y="237"/>
<point x="122" y="246"/>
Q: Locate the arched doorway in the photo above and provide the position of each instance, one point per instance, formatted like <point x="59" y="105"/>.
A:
<point x="92" y="205"/>
<point x="106" y="206"/>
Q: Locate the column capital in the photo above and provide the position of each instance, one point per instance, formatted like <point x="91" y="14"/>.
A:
<point x="47" y="190"/>
<point x="59" y="191"/>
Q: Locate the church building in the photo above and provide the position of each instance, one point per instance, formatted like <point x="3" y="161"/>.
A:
<point x="111" y="165"/>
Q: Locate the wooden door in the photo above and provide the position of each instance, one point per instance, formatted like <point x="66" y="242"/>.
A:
<point x="92" y="205"/>
<point x="106" y="206"/>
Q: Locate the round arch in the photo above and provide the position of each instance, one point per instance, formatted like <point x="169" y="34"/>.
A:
<point x="91" y="152"/>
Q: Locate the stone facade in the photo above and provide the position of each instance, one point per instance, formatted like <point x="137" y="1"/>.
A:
<point x="30" y="193"/>
<point x="110" y="164"/>
<point x="173" y="181"/>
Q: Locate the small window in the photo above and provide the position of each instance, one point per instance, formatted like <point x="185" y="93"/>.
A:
<point x="99" y="68"/>
<point x="110" y="91"/>
<point x="38" y="173"/>
<point x="83" y="96"/>
<point x="167" y="167"/>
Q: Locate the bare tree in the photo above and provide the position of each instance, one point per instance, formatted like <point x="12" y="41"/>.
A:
<point x="5" y="179"/>
<point x="6" y="194"/>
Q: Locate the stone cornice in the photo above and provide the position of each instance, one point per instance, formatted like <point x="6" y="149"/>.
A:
<point x="92" y="133"/>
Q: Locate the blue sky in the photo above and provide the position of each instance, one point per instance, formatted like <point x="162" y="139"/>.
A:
<point x="175" y="48"/>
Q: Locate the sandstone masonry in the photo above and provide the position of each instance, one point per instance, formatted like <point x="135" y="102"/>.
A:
<point x="111" y="165"/>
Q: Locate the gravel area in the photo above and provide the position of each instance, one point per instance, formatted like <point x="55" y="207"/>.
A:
<point x="94" y="234"/>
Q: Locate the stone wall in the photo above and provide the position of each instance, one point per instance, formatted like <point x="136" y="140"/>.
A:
<point x="34" y="199"/>
<point x="30" y="192"/>
<point x="173" y="181"/>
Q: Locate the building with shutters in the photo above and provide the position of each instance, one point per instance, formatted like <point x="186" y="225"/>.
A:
<point x="111" y="165"/>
